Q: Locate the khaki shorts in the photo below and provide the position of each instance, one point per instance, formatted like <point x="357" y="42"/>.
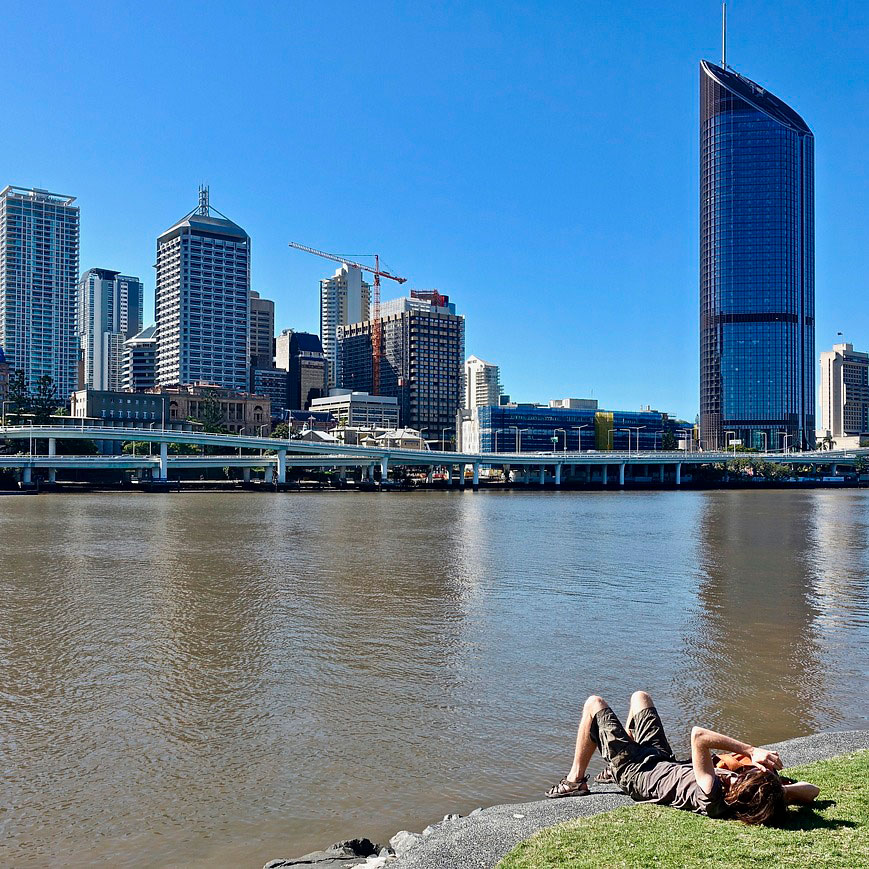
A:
<point x="631" y="756"/>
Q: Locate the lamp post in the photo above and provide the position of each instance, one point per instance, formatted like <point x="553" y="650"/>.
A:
<point x="5" y="402"/>
<point x="689" y="436"/>
<point x="765" y="441"/>
<point x="564" y="432"/>
<point x="785" y="436"/>
<point x="732" y="441"/>
<point x="497" y="430"/>
<point x="519" y="436"/>
<point x="637" y="427"/>
<point x="444" y="439"/>
<point x="579" y="429"/>
<point x="629" y="439"/>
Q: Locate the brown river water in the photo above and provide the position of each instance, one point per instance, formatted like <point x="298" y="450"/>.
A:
<point x="221" y="679"/>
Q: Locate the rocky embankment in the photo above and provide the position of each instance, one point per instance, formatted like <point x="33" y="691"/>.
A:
<point x="483" y="837"/>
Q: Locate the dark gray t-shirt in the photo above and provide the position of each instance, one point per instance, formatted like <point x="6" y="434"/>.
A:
<point x="671" y="783"/>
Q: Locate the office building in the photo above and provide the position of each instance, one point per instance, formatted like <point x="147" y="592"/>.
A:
<point x="39" y="243"/>
<point x="140" y="361"/>
<point x="240" y="412"/>
<point x="422" y="361"/>
<point x="482" y="383"/>
<point x="109" y="313"/>
<point x="359" y="409"/>
<point x="114" y="405"/>
<point x="574" y="403"/>
<point x="844" y="392"/>
<point x="203" y="300"/>
<point x="757" y="268"/>
<point x="344" y="298"/>
<point x="302" y="355"/>
<point x="262" y="331"/>
<point x="530" y="428"/>
<point x="273" y="382"/>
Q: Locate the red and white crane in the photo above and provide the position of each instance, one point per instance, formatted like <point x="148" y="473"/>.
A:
<point x="376" y="325"/>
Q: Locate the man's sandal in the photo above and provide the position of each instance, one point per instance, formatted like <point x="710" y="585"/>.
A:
<point x="568" y="788"/>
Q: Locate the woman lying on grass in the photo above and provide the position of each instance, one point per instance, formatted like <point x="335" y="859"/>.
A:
<point x="644" y="767"/>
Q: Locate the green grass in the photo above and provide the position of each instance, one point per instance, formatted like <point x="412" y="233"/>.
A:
<point x="833" y="832"/>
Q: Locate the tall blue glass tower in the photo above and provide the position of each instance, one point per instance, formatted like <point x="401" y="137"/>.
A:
<point x="757" y="266"/>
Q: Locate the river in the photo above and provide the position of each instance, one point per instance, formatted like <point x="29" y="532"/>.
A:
<point x="221" y="679"/>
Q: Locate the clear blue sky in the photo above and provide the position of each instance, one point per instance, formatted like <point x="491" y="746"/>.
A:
<point x="537" y="162"/>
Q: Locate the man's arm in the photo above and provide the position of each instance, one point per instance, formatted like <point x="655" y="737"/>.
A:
<point x="800" y="793"/>
<point x="703" y="741"/>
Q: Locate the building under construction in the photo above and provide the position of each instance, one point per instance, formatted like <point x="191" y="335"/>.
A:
<point x="422" y="358"/>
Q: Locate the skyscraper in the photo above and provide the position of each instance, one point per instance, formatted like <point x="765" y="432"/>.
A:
<point x="109" y="312"/>
<point x="844" y="391"/>
<point x="203" y="300"/>
<point x="39" y="234"/>
<point x="757" y="266"/>
<point x="482" y="383"/>
<point x="422" y="364"/>
<point x="262" y="331"/>
<point x="140" y="360"/>
<point x="344" y="298"/>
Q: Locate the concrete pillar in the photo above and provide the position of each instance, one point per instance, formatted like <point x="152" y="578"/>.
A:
<point x="52" y="475"/>
<point x="622" y="474"/>
<point x="462" y="476"/>
<point x="26" y="476"/>
<point x="384" y="469"/>
<point x="542" y="474"/>
<point x="604" y="474"/>
<point x="342" y="475"/>
<point x="449" y="475"/>
<point x="558" y="475"/>
<point x="429" y="477"/>
<point x="661" y="473"/>
<point x="245" y="474"/>
<point x="164" y="460"/>
<point x="282" y="466"/>
<point x="52" y="446"/>
<point x="678" y="473"/>
<point x="476" y="481"/>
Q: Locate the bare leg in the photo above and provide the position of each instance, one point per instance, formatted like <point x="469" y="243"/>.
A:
<point x="585" y="747"/>
<point x="639" y="700"/>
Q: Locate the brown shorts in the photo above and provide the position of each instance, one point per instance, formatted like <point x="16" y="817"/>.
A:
<point x="630" y="757"/>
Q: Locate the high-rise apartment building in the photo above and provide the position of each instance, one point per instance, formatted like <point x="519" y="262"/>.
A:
<point x="4" y="375"/>
<point x="140" y="361"/>
<point x="757" y="266"/>
<point x="844" y="391"/>
<point x="344" y="298"/>
<point x="262" y="331"/>
<point x="422" y="364"/>
<point x="39" y="239"/>
<point x="203" y="300"/>
<point x="482" y="383"/>
<point x="109" y="312"/>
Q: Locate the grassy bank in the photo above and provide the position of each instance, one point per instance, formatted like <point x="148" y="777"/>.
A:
<point x="833" y="832"/>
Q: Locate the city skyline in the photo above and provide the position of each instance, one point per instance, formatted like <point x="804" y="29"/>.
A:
<point x="496" y="254"/>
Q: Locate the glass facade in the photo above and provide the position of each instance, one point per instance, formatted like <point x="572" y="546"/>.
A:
<point x="757" y="287"/>
<point x="532" y="429"/>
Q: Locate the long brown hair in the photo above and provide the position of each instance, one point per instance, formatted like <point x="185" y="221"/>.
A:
<point x="756" y="796"/>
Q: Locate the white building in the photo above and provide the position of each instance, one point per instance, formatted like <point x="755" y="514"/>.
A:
<point x="359" y="409"/>
<point x="844" y="392"/>
<point x="202" y="300"/>
<point x="109" y="312"/>
<point x="482" y="383"/>
<point x="344" y="298"/>
<point x="574" y="403"/>
<point x="39" y="238"/>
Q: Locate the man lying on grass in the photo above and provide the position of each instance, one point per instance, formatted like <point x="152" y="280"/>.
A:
<point x="643" y="766"/>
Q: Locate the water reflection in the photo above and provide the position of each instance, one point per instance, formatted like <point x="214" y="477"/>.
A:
<point x="752" y="655"/>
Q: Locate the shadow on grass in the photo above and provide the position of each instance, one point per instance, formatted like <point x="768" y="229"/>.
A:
<point x="808" y="818"/>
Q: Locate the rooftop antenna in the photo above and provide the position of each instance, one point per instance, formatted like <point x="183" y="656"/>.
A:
<point x="203" y="200"/>
<point x="724" y="34"/>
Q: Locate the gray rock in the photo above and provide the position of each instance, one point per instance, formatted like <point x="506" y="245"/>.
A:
<point x="429" y="830"/>
<point x="387" y="852"/>
<point x="329" y="859"/>
<point x="476" y="811"/>
<point x="356" y="847"/>
<point x="452" y="817"/>
<point x="403" y="841"/>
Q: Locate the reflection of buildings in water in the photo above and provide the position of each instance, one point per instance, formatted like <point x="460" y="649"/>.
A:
<point x="752" y="662"/>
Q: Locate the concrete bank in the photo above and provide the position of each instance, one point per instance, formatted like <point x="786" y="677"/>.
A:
<point x="482" y="838"/>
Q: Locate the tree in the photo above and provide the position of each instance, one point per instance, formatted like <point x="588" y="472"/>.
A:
<point x="281" y="431"/>
<point x="17" y="394"/>
<point x="210" y="415"/>
<point x="668" y="441"/>
<point x="44" y="399"/>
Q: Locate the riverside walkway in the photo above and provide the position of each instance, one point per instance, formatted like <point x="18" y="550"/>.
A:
<point x="590" y="466"/>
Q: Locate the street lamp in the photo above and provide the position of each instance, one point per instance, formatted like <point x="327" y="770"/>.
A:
<point x="732" y="441"/>
<point x="637" y="427"/>
<point x="785" y="437"/>
<point x="519" y="436"/>
<point x="765" y="441"/>
<point x="579" y="429"/>
<point x="629" y="439"/>
<point x="444" y="438"/>
<point x="5" y="402"/>
<point x="555" y="441"/>
<point x="689" y="437"/>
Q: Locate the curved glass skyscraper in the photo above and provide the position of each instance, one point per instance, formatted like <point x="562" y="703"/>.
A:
<point x="757" y="266"/>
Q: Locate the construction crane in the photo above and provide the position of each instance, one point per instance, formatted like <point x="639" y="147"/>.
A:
<point x="376" y="325"/>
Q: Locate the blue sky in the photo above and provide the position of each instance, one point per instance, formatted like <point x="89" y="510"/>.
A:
<point x="535" y="161"/>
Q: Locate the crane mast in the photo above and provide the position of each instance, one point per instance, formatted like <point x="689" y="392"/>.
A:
<point x="376" y="324"/>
